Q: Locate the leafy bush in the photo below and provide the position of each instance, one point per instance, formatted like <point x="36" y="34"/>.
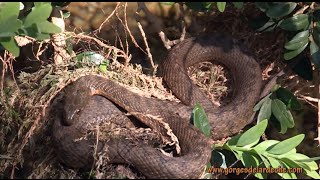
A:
<point x="301" y="21"/>
<point x="35" y="24"/>
<point x="252" y="152"/>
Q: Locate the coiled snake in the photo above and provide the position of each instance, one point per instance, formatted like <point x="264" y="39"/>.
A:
<point x="93" y="99"/>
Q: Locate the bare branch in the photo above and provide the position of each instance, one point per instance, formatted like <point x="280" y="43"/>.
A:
<point x="157" y="23"/>
<point x="129" y="31"/>
<point x="107" y="19"/>
<point x="142" y="6"/>
<point x="147" y="45"/>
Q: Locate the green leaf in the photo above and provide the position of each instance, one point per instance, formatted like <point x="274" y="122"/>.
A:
<point x="42" y="36"/>
<point x="48" y="27"/>
<point x="298" y="40"/>
<point x="104" y="66"/>
<point x="31" y="31"/>
<point x="238" y="154"/>
<point x="265" y="111"/>
<point x="6" y="34"/>
<point x="38" y="14"/>
<point x="280" y="9"/>
<point x="199" y="6"/>
<point x="313" y="174"/>
<point x="221" y="6"/>
<point x="200" y="119"/>
<point x="291" y="54"/>
<point x="299" y="37"/>
<point x="207" y="176"/>
<point x="238" y="5"/>
<point x="315" y="53"/>
<point x="37" y="4"/>
<point x="275" y="88"/>
<point x="293" y="164"/>
<point x="234" y="140"/>
<point x="66" y="14"/>
<point x="10" y="26"/>
<point x="295" y="23"/>
<point x="287" y="175"/>
<point x="263" y="6"/>
<point x="297" y="45"/>
<point x="167" y="3"/>
<point x="286" y="145"/>
<point x="288" y="98"/>
<point x="11" y="45"/>
<point x="9" y="23"/>
<point x="249" y="159"/>
<point x="268" y="26"/>
<point x="259" y="104"/>
<point x="273" y="162"/>
<point x="252" y="134"/>
<point x="303" y="159"/>
<point x="310" y="159"/>
<point x="261" y="147"/>
<point x="292" y="151"/>
<point x="284" y="116"/>
<point x="265" y="160"/>
<point x="9" y="10"/>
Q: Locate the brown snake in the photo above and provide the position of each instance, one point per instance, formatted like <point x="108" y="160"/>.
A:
<point x="91" y="100"/>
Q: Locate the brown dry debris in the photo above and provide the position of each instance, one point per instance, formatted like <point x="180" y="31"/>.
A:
<point x="25" y="143"/>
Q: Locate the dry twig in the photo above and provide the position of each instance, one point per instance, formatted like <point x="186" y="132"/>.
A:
<point x="107" y="19"/>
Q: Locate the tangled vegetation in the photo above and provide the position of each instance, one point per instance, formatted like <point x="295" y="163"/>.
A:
<point x="23" y="106"/>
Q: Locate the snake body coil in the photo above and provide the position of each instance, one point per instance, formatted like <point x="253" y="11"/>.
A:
<point x="94" y="100"/>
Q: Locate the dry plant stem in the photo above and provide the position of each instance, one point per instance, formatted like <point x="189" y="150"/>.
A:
<point x="309" y="100"/>
<point x="59" y="40"/>
<point x="147" y="45"/>
<point x="300" y="11"/>
<point x="6" y="63"/>
<point x="32" y="129"/>
<point x="141" y="5"/>
<point x="156" y="22"/>
<point x="100" y="43"/>
<point x="122" y="47"/>
<point x="112" y="13"/>
<point x="143" y="33"/>
<point x="126" y="39"/>
<point x="129" y="31"/>
<point x="182" y="13"/>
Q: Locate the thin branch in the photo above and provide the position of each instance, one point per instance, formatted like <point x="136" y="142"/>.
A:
<point x="142" y="6"/>
<point x="128" y="29"/>
<point x="107" y="19"/>
<point x="146" y="43"/>
<point x="126" y="38"/>
<point x="156" y="22"/>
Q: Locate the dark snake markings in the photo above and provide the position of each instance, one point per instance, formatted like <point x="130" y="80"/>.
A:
<point x="91" y="100"/>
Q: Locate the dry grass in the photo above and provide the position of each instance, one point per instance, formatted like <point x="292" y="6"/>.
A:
<point x="25" y="147"/>
<point x="24" y="134"/>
